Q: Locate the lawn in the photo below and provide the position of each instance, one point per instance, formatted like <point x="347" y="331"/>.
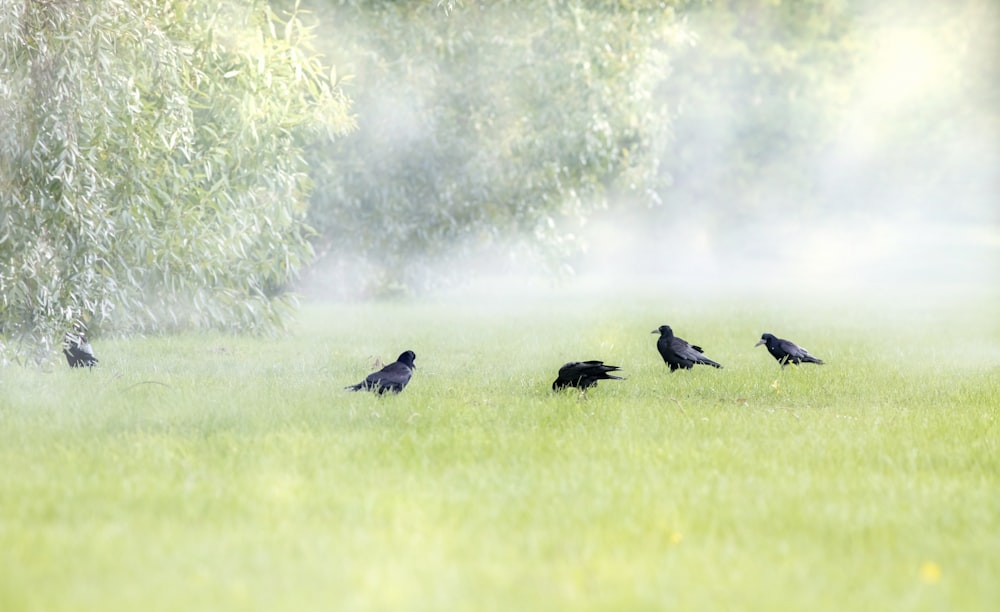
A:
<point x="219" y="472"/>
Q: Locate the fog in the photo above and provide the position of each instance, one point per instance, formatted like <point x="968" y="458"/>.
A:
<point x="870" y="226"/>
<point x="903" y="183"/>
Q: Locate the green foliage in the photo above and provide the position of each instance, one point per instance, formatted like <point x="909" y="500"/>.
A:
<point x="482" y="121"/>
<point x="758" y="97"/>
<point x="229" y="472"/>
<point x="485" y="122"/>
<point x="798" y="108"/>
<point x="151" y="167"/>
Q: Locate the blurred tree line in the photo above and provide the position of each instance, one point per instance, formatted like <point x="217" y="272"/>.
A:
<point x="810" y="110"/>
<point x="178" y="164"/>
<point x="487" y="129"/>
<point x="492" y="129"/>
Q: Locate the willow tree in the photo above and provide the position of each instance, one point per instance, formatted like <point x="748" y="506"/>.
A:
<point x="151" y="167"/>
<point x="482" y="123"/>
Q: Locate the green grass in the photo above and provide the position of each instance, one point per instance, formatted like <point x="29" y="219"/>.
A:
<point x="212" y="472"/>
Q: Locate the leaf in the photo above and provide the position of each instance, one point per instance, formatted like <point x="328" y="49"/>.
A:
<point x="136" y="161"/>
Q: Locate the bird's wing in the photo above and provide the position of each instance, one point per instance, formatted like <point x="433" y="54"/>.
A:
<point x="81" y="355"/>
<point x="586" y="372"/>
<point x="568" y="370"/>
<point x="792" y="349"/>
<point x="394" y="373"/>
<point x="576" y="371"/>
<point x="685" y="350"/>
<point x="596" y="368"/>
<point x="693" y="353"/>
<point x="87" y="350"/>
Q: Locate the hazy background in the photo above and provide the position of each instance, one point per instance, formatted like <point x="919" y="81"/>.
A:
<point x="843" y="144"/>
<point x="192" y="165"/>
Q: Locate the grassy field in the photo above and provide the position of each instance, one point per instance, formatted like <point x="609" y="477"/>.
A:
<point x="213" y="472"/>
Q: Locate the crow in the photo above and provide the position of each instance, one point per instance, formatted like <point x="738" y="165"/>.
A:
<point x="786" y="351"/>
<point x="392" y="377"/>
<point x="584" y="374"/>
<point x="78" y="352"/>
<point x="677" y="353"/>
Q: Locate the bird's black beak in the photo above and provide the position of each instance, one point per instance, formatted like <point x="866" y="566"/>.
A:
<point x="759" y="342"/>
<point x="655" y="331"/>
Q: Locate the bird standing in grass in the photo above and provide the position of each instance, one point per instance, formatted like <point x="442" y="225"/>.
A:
<point x="786" y="351"/>
<point x="393" y="377"/>
<point x="677" y="353"/>
<point x="78" y="351"/>
<point x="584" y="374"/>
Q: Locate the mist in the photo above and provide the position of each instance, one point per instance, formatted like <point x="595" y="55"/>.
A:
<point x="871" y="173"/>
<point x="881" y="213"/>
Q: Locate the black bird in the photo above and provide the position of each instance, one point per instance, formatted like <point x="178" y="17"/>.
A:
<point x="677" y="353"/>
<point x="786" y="351"/>
<point x="78" y="351"/>
<point x="584" y="374"/>
<point x="392" y="377"/>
